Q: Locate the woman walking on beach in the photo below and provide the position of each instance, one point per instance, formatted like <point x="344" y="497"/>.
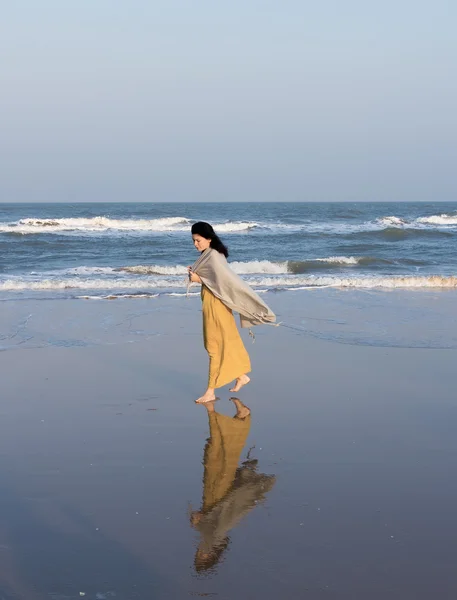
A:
<point x="223" y="292"/>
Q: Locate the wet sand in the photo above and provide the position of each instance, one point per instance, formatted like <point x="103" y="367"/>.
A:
<point x="104" y="456"/>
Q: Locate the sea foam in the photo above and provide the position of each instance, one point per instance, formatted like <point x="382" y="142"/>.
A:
<point x="272" y="282"/>
<point x="101" y="224"/>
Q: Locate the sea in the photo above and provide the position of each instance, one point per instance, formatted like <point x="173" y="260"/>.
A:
<point x="133" y="250"/>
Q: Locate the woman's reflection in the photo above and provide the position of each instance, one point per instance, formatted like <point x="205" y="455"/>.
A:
<point x="229" y="491"/>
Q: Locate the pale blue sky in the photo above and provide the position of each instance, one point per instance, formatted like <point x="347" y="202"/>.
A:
<point x="108" y="100"/>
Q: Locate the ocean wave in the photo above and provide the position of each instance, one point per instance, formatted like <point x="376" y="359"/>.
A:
<point x="105" y="225"/>
<point x="255" y="267"/>
<point x="20" y="284"/>
<point x="242" y="268"/>
<point x="235" y="226"/>
<point x="87" y="271"/>
<point x="391" y="222"/>
<point x="339" y="260"/>
<point x="390" y="282"/>
<point x="93" y="224"/>
<point x="101" y="224"/>
<point x="446" y="220"/>
<point x="443" y="219"/>
<point x="334" y="262"/>
<point x="397" y="234"/>
<point x="119" y="296"/>
<point x="154" y="270"/>
<point x="140" y="285"/>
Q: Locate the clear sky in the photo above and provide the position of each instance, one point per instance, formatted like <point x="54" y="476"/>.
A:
<point x="164" y="100"/>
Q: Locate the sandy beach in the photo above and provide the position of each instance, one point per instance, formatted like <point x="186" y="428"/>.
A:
<point x="102" y="448"/>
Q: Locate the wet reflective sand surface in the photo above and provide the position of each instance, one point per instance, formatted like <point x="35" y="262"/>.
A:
<point x="338" y="484"/>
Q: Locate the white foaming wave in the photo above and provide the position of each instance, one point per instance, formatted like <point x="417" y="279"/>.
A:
<point x="431" y="281"/>
<point x="259" y="266"/>
<point x="155" y="270"/>
<point x="340" y="260"/>
<point x="118" y="296"/>
<point x="87" y="284"/>
<point x="391" y="221"/>
<point x="255" y="267"/>
<point x="180" y="294"/>
<point x="234" y="226"/>
<point x="228" y="227"/>
<point x="93" y="224"/>
<point x="103" y="224"/>
<point x="434" y="220"/>
<point x="265" y="266"/>
<point x="83" y="271"/>
<point x="443" y="219"/>
<point x="284" y="281"/>
<point x="242" y="268"/>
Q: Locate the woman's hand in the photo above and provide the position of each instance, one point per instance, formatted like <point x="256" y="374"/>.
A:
<point x="193" y="276"/>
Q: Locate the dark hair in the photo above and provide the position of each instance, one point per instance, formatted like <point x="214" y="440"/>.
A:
<point x="207" y="232"/>
<point x="209" y="560"/>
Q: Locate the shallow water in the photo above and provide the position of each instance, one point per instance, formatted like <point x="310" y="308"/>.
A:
<point x="395" y="318"/>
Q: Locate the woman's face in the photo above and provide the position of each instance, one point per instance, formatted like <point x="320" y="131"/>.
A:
<point x="200" y="242"/>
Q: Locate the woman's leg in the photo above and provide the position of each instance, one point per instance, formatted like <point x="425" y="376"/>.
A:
<point x="212" y="341"/>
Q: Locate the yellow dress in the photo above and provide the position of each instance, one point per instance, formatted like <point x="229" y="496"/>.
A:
<point x="228" y="358"/>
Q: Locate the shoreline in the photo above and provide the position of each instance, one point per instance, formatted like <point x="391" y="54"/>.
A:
<point x="386" y="318"/>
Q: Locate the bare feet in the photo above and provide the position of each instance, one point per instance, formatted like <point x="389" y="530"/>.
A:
<point x="242" y="411"/>
<point x="208" y="396"/>
<point x="240" y="382"/>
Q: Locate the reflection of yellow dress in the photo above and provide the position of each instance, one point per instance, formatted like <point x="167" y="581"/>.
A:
<point x="222" y="453"/>
<point x="229" y="491"/>
<point x="228" y="358"/>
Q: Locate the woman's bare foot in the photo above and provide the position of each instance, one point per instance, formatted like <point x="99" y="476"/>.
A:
<point x="242" y="411"/>
<point x="240" y="382"/>
<point x="208" y="396"/>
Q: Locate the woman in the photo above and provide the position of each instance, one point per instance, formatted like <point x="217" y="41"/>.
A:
<point x="222" y="292"/>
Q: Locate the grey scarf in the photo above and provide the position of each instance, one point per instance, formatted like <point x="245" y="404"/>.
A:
<point x="214" y="271"/>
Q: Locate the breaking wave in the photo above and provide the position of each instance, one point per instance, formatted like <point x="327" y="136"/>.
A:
<point x="443" y="219"/>
<point x="446" y="220"/>
<point x="391" y="222"/>
<point x="431" y="281"/>
<point x="102" y="224"/>
<point x="271" y="283"/>
<point x="105" y="225"/>
<point x="249" y="268"/>
<point x="264" y="266"/>
<point x="242" y="268"/>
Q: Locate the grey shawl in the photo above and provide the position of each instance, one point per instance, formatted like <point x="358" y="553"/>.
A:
<point x="214" y="271"/>
<point x="248" y="491"/>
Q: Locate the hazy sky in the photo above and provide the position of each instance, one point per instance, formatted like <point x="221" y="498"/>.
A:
<point x="168" y="100"/>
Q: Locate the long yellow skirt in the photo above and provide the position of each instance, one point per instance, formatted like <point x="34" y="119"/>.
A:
<point x="227" y="439"/>
<point x="228" y="358"/>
